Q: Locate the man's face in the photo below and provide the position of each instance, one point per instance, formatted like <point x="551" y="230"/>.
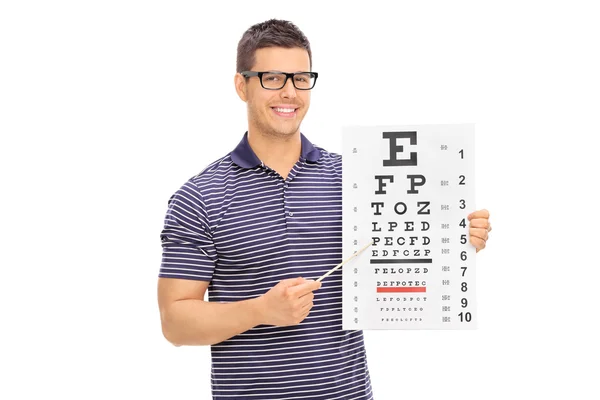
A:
<point x="268" y="109"/>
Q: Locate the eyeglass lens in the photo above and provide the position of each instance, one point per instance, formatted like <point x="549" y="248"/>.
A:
<point x="273" y="80"/>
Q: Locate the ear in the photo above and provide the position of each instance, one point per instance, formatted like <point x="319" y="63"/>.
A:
<point x="240" y="86"/>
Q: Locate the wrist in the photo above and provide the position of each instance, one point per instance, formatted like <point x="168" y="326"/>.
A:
<point x="257" y="310"/>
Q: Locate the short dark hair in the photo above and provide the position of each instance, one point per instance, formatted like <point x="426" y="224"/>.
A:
<point x="271" y="33"/>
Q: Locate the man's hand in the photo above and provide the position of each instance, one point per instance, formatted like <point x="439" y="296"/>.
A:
<point x="288" y="302"/>
<point x="479" y="228"/>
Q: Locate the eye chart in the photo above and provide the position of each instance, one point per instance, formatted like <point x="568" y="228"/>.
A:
<point x="408" y="190"/>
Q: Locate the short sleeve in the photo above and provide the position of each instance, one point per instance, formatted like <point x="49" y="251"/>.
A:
<point x="188" y="251"/>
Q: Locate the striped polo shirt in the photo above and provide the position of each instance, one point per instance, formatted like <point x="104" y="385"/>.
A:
<point x="242" y="227"/>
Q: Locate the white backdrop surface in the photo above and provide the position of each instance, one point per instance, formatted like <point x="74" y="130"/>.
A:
<point x="106" y="108"/>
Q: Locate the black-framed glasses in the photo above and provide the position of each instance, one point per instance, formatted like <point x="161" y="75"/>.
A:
<point x="275" y="80"/>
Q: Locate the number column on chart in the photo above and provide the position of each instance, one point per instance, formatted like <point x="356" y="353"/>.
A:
<point x="463" y="273"/>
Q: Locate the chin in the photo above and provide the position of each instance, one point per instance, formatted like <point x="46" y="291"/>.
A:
<point x="286" y="131"/>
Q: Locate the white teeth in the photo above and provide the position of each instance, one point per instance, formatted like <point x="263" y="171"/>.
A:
<point x="284" y="110"/>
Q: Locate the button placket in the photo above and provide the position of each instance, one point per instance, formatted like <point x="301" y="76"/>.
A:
<point x="285" y="192"/>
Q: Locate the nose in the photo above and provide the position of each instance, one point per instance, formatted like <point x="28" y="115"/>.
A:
<point x="288" y="91"/>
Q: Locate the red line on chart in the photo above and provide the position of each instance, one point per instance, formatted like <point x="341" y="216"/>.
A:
<point x="401" y="261"/>
<point x="400" y="289"/>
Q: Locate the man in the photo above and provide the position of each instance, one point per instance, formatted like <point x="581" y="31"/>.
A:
<point x="256" y="228"/>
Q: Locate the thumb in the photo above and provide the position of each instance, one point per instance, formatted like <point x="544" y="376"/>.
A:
<point x="292" y="281"/>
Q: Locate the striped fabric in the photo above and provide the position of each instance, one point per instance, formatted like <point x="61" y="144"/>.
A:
<point x="241" y="226"/>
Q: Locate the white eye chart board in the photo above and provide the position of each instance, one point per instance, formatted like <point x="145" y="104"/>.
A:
<point x="408" y="189"/>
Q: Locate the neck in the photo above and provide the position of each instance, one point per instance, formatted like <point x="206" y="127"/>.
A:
<point x="278" y="153"/>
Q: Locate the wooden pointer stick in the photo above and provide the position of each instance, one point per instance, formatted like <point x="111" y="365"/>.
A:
<point x="344" y="262"/>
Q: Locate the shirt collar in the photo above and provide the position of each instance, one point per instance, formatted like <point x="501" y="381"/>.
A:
<point x="244" y="156"/>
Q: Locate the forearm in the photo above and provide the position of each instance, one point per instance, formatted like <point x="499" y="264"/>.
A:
<point x="197" y="322"/>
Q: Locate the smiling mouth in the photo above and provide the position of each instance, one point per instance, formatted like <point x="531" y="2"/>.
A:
<point x="284" y="111"/>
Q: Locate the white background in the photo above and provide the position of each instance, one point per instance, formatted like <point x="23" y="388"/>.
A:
<point x="107" y="107"/>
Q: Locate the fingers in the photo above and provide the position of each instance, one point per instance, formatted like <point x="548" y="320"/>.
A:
<point x="478" y="238"/>
<point x="478" y="242"/>
<point x="479" y="223"/>
<point x="301" y="289"/>
<point x="485" y="214"/>
<point x="292" y="281"/>
<point x="480" y="219"/>
<point x="303" y="310"/>
<point x="307" y="298"/>
<point x="479" y="233"/>
<point x="306" y="307"/>
<point x="304" y="315"/>
<point x="479" y="228"/>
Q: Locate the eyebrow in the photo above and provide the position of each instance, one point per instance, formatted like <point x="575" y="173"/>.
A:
<point x="296" y="72"/>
